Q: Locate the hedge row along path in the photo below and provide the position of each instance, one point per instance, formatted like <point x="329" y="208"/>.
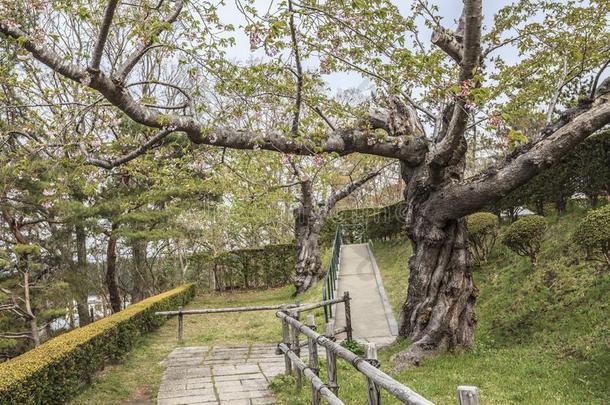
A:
<point x="372" y="317"/>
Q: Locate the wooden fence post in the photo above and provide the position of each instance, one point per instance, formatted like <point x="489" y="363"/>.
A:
<point x="468" y="395"/>
<point x="314" y="364"/>
<point x="348" y="315"/>
<point x="331" y="360"/>
<point x="286" y="341"/>
<point x="296" y="348"/>
<point x="374" y="395"/>
<point x="180" y="324"/>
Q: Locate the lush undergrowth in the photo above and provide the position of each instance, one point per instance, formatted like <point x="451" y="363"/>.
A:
<point x="543" y="334"/>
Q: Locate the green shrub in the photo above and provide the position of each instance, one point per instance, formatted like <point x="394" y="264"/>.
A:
<point x="482" y="234"/>
<point x="593" y="234"/>
<point x="57" y="369"/>
<point x="524" y="236"/>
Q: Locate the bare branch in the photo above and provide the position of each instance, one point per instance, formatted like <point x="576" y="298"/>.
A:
<point x="109" y="164"/>
<point x="448" y="43"/>
<point x="454" y="141"/>
<point x="299" y="72"/>
<point x="98" y="50"/>
<point x="350" y="188"/>
<point x="146" y="45"/>
<point x="596" y="80"/>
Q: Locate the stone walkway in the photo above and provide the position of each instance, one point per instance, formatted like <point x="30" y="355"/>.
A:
<point x="372" y="317"/>
<point x="220" y="375"/>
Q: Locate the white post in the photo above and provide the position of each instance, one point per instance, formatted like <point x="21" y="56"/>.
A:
<point x="468" y="395"/>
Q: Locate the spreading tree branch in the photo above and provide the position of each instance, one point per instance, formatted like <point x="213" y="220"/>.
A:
<point x="139" y="151"/>
<point x="342" y="140"/>
<point x="350" y="188"/>
<point x="516" y="171"/>
<point x="98" y="50"/>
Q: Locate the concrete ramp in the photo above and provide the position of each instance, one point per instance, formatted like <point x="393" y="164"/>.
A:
<point x="372" y="317"/>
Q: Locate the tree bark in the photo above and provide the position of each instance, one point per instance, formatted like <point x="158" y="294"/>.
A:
<point x="439" y="310"/>
<point x="28" y="304"/>
<point x="308" y="264"/>
<point x="139" y="276"/>
<point x="82" y="293"/>
<point x="438" y="313"/>
<point x="112" y="282"/>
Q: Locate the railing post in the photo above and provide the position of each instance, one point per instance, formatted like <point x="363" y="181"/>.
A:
<point x="348" y="315"/>
<point x="374" y="395"/>
<point x="314" y="364"/>
<point x="468" y="395"/>
<point x="296" y="348"/>
<point x="331" y="360"/>
<point x="286" y="341"/>
<point x="180" y="324"/>
<point x="324" y="298"/>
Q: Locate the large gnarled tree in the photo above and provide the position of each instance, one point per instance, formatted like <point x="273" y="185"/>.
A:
<point x="436" y="95"/>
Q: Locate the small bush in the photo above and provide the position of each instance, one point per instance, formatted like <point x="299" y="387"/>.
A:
<point x="593" y="234"/>
<point x="482" y="234"/>
<point x="524" y="236"/>
<point x="353" y="347"/>
<point x="57" y="369"/>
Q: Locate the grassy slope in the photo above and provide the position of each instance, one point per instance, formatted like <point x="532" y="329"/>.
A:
<point x="543" y="335"/>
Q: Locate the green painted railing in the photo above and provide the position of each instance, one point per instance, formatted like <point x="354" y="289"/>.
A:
<point x="330" y="281"/>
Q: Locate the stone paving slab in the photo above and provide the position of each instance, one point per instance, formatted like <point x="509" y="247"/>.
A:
<point x="220" y="375"/>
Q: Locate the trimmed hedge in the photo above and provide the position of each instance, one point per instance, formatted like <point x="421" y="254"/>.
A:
<point x="593" y="234"/>
<point x="366" y="223"/>
<point x="57" y="369"/>
<point x="524" y="236"/>
<point x="270" y="266"/>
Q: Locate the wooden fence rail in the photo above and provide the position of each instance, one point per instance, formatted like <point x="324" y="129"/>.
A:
<point x="297" y="308"/>
<point x="375" y="376"/>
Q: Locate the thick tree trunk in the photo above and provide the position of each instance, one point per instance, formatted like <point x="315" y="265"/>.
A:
<point x="112" y="282"/>
<point x="438" y="313"/>
<point x="308" y="263"/>
<point x="82" y="293"/>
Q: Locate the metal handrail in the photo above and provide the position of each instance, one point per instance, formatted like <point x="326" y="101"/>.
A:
<point x="330" y="280"/>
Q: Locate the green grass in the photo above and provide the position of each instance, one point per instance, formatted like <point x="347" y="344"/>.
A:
<point x="138" y="377"/>
<point x="543" y="335"/>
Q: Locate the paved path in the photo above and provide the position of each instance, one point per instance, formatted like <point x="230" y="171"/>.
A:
<point x="220" y="375"/>
<point x="372" y="317"/>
